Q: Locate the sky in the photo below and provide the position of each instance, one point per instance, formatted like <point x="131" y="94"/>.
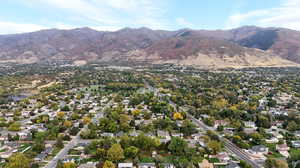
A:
<point x="18" y="16"/>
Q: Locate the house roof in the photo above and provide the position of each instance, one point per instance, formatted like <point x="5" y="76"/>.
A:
<point x="259" y="148"/>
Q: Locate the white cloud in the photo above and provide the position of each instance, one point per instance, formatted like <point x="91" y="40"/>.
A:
<point x="109" y="13"/>
<point x="11" y="27"/>
<point x="182" y="22"/>
<point x="84" y="8"/>
<point x="286" y="15"/>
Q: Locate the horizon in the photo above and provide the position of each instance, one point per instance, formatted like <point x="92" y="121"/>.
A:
<point x="136" y="28"/>
<point x="21" y="16"/>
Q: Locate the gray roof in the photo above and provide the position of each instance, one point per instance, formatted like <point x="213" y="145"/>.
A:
<point x="259" y="148"/>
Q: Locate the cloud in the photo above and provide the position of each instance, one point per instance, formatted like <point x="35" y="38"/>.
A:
<point x="84" y="8"/>
<point x="182" y="22"/>
<point x="108" y="13"/>
<point x="11" y="27"/>
<point x="286" y="15"/>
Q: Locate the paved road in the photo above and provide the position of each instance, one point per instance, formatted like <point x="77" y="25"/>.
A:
<point x="77" y="139"/>
<point x="229" y="146"/>
<point x="62" y="153"/>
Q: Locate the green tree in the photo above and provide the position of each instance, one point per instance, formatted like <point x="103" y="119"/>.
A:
<point x="292" y="126"/>
<point x="15" y="126"/>
<point x="101" y="153"/>
<point x="275" y="163"/>
<point x="177" y="146"/>
<point x="131" y="152"/>
<point x="214" y="146"/>
<point x="188" y="128"/>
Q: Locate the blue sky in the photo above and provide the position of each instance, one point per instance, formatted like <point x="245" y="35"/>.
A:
<point x="18" y="16"/>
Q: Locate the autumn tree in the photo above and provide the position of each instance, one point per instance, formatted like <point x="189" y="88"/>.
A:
<point x="275" y="163"/>
<point x="86" y="120"/>
<point x="60" y="115"/>
<point x="67" y="124"/>
<point x="115" y="153"/>
<point x="214" y="146"/>
<point x="18" y="160"/>
<point x="69" y="165"/>
<point x="108" y="164"/>
<point x="177" y="116"/>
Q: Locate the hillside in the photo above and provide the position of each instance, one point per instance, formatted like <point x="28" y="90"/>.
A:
<point x="246" y="46"/>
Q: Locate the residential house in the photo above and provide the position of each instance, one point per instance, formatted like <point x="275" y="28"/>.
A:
<point x="205" y="164"/>
<point x="272" y="140"/>
<point x="297" y="134"/>
<point x="167" y="165"/>
<point x="283" y="149"/>
<point x="249" y="130"/>
<point x="146" y="165"/>
<point x="250" y="124"/>
<point x="220" y="123"/>
<point x="125" y="165"/>
<point x="259" y="149"/>
<point x="222" y="156"/>
<point x="232" y="165"/>
<point x="296" y="144"/>
<point x="163" y="135"/>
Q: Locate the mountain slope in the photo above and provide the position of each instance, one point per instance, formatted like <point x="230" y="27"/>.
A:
<point x="218" y="48"/>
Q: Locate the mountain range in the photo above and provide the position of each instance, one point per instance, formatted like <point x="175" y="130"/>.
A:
<point x="241" y="47"/>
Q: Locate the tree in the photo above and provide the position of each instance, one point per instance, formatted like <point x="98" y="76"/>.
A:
<point x="15" y="126"/>
<point x="215" y="146"/>
<point x="177" y="116"/>
<point x="38" y="146"/>
<point x="59" y="143"/>
<point x="67" y="124"/>
<point x="220" y="103"/>
<point x="108" y="164"/>
<point x="69" y="165"/>
<point x="18" y="160"/>
<point x="60" y="115"/>
<point x="177" y="146"/>
<point x="86" y="120"/>
<point x="256" y="138"/>
<point x="244" y="164"/>
<point x="136" y="112"/>
<point x="292" y="126"/>
<point x="115" y="153"/>
<point x="188" y="128"/>
<point x="131" y="152"/>
<point x="100" y="153"/>
<point x="65" y="108"/>
<point x="275" y="163"/>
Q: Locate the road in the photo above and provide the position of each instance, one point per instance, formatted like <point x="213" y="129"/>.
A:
<point x="77" y="139"/>
<point x="229" y="146"/>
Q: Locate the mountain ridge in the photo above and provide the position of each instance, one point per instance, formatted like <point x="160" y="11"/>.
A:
<point x="244" y="46"/>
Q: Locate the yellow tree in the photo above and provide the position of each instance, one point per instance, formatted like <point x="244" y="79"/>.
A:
<point x="108" y="164"/>
<point x="18" y="160"/>
<point x="136" y="112"/>
<point x="215" y="146"/>
<point x="86" y="120"/>
<point x="69" y="165"/>
<point x="67" y="124"/>
<point x="60" y="115"/>
<point x="177" y="116"/>
<point x="220" y="103"/>
<point x="115" y="153"/>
